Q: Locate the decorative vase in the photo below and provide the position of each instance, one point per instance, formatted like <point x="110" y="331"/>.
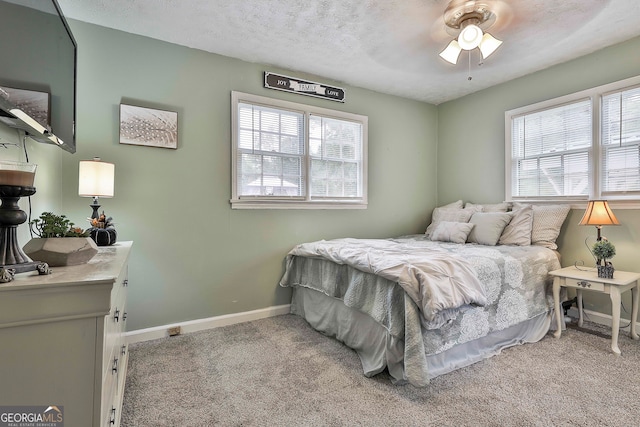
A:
<point x="104" y="236"/>
<point x="606" y="271"/>
<point x="61" y="251"/>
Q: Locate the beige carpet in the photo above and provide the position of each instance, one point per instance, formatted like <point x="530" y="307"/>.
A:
<point x="279" y="372"/>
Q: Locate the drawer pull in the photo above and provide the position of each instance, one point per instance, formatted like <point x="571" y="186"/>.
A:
<point x="116" y="315"/>
<point x="125" y="282"/>
<point x="112" y="419"/>
<point x="584" y="284"/>
<point x="123" y="350"/>
<point x="124" y="316"/>
<point x="114" y="368"/>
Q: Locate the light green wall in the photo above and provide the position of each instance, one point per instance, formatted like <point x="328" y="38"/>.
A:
<point x="48" y="159"/>
<point x="194" y="257"/>
<point x="471" y="139"/>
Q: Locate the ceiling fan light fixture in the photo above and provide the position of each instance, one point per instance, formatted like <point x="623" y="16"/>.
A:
<point x="470" y="19"/>
<point x="488" y="45"/>
<point x="470" y="37"/>
<point x="451" y="52"/>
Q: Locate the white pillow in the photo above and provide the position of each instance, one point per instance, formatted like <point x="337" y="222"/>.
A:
<point x="547" y="222"/>
<point x="458" y="204"/>
<point x="455" y="232"/>
<point x="447" y="214"/>
<point x="488" y="227"/>
<point x="495" y="207"/>
<point x="518" y="231"/>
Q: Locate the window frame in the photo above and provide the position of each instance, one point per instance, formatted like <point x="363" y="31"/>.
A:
<point x="295" y="202"/>
<point x="595" y="96"/>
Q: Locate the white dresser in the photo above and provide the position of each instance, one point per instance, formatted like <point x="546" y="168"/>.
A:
<point x="62" y="339"/>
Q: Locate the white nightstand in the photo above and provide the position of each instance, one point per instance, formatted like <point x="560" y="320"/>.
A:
<point x="571" y="277"/>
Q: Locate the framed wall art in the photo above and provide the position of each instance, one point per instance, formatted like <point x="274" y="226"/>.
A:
<point x="35" y="104"/>
<point x="148" y="126"/>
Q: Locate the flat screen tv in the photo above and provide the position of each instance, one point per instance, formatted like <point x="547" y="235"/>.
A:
<point x="38" y="71"/>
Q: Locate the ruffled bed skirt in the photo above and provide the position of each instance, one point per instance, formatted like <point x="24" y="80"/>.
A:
<point x="378" y="349"/>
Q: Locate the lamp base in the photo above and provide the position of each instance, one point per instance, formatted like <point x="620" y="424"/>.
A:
<point x="95" y="206"/>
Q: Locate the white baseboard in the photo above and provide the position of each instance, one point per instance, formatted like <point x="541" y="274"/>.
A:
<point x="597" y="317"/>
<point x="156" y="332"/>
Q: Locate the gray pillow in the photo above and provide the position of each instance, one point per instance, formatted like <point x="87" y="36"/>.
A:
<point x="488" y="227"/>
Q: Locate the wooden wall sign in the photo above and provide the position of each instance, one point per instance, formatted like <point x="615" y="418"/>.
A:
<point x="303" y="87"/>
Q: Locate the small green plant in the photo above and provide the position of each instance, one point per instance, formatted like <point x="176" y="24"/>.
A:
<point x="603" y="250"/>
<point x="52" y="225"/>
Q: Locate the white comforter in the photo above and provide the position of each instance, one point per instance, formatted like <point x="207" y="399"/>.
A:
<point x="437" y="281"/>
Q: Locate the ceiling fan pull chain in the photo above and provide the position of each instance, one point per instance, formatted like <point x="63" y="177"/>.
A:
<point x="469" y="78"/>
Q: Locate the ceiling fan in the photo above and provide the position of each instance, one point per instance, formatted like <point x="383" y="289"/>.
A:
<point x="470" y="20"/>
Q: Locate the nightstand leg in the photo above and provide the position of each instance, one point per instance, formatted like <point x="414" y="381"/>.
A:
<point x="580" y="307"/>
<point x="615" y="318"/>
<point x="635" y="294"/>
<point x="556" y="303"/>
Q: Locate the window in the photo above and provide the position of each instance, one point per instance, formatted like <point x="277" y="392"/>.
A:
<point x="289" y="155"/>
<point x="578" y="147"/>
<point x="621" y="143"/>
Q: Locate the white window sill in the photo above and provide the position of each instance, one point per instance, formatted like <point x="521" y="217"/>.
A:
<point x="295" y="204"/>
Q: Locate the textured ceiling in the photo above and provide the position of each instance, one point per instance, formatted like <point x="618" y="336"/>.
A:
<point x="390" y="46"/>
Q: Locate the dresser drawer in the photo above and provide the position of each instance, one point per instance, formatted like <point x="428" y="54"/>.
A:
<point x="584" y="284"/>
<point x="115" y="321"/>
<point x="114" y="327"/>
<point x="108" y="392"/>
<point x="115" y="352"/>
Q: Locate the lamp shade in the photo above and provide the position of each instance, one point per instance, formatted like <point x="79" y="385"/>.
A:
<point x="451" y="53"/>
<point x="95" y="178"/>
<point x="598" y="212"/>
<point x="488" y="45"/>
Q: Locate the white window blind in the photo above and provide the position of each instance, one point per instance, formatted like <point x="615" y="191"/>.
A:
<point x="270" y="152"/>
<point x="551" y="152"/>
<point x="620" y="143"/>
<point x="335" y="148"/>
<point x="289" y="155"/>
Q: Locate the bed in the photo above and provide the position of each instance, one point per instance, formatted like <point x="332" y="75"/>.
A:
<point x="424" y="305"/>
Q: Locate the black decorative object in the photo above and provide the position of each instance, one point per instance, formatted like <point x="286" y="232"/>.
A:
<point x="302" y="87"/>
<point x="104" y="236"/>
<point x="12" y="259"/>
<point x="102" y="231"/>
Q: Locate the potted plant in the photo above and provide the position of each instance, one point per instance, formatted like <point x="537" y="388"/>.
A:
<point x="604" y="250"/>
<point x="59" y="242"/>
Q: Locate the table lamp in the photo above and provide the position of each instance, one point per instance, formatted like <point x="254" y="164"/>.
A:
<point x="598" y="213"/>
<point x="95" y="179"/>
